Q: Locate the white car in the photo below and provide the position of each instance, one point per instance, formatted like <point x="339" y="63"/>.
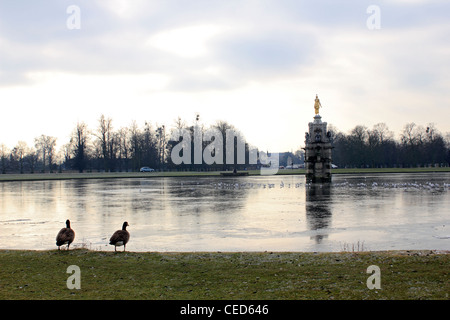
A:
<point x="146" y="169"/>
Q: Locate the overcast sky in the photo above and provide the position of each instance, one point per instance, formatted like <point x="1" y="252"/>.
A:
<point x="256" y="64"/>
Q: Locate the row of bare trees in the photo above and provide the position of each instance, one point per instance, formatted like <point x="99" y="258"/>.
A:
<point x="108" y="149"/>
<point x="22" y="157"/>
<point x="130" y="148"/>
<point x="102" y="149"/>
<point x="377" y="147"/>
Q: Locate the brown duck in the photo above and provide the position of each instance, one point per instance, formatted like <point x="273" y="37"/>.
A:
<point x="65" y="236"/>
<point x="120" y="237"/>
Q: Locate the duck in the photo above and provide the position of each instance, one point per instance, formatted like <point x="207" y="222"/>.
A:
<point x="65" y="236"/>
<point x="120" y="237"/>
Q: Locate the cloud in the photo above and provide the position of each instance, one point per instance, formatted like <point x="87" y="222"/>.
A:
<point x="186" y="42"/>
<point x="256" y="54"/>
<point x="211" y="55"/>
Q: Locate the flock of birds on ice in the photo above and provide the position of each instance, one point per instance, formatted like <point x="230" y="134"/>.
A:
<point x="427" y="186"/>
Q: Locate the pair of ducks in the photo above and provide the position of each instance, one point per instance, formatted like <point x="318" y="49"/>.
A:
<point x="119" y="238"/>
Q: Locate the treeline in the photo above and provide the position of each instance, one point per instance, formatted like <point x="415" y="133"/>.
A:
<point x="124" y="149"/>
<point x="105" y="148"/>
<point x="418" y="146"/>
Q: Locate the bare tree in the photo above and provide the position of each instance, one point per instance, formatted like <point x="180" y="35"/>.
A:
<point x="232" y="143"/>
<point x="359" y="133"/>
<point x="431" y="132"/>
<point x="79" y="142"/>
<point x="40" y="144"/>
<point x="18" y="154"/>
<point x="123" y="147"/>
<point x="105" y="136"/>
<point x="4" y="152"/>
<point x="149" y="146"/>
<point x="32" y="158"/>
<point x="382" y="132"/>
<point x="358" y="140"/>
<point x="135" y="145"/>
<point x="51" y="151"/>
<point x="45" y="145"/>
<point x="161" y="144"/>
<point x="407" y="135"/>
<point x="180" y="124"/>
<point x="420" y="134"/>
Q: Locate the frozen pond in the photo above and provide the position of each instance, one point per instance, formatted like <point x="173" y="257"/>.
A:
<point x="255" y="213"/>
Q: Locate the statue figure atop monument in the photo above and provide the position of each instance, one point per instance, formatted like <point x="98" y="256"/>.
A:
<point x="317" y="104"/>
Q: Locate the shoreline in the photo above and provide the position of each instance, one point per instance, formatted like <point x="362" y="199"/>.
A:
<point x="218" y="252"/>
<point x="10" y="177"/>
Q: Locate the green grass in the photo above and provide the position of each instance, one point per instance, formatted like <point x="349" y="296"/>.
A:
<point x="217" y="276"/>
<point x="112" y="175"/>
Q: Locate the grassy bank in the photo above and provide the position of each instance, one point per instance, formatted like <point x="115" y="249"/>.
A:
<point x="112" y="175"/>
<point x="198" y="276"/>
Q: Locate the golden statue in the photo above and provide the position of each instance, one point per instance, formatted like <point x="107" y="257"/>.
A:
<point x="317" y="104"/>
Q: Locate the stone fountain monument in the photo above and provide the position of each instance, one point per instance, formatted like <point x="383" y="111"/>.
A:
<point x="318" y="149"/>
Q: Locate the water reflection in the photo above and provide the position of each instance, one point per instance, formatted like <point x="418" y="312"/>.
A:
<point x="206" y="195"/>
<point x="318" y="212"/>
